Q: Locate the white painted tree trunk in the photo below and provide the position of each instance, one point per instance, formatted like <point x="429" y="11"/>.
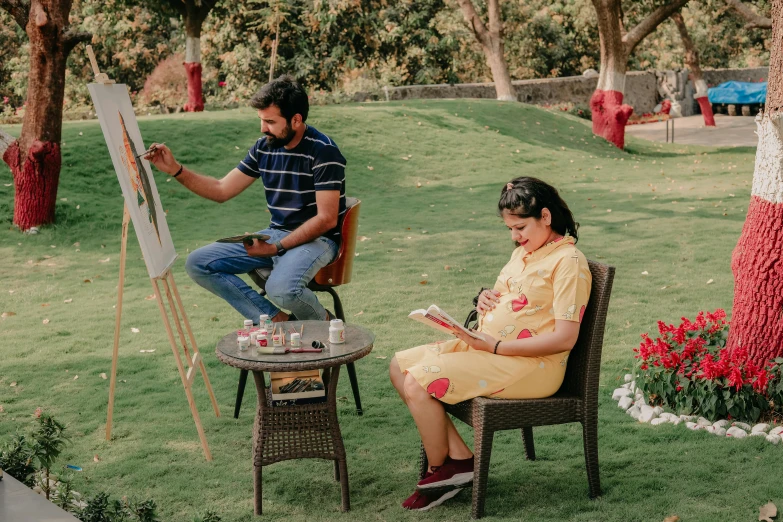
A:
<point x="192" y="49"/>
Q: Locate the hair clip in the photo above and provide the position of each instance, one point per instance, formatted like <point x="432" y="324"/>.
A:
<point x="509" y="186"/>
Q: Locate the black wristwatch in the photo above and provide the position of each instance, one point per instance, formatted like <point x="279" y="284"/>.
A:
<point x="280" y="248"/>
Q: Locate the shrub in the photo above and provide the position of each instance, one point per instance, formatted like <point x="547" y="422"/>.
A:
<point x="575" y="109"/>
<point x="167" y="86"/>
<point x="689" y="369"/>
<point x="17" y="459"/>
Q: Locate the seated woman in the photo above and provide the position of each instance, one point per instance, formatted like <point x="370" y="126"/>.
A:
<point x="528" y="324"/>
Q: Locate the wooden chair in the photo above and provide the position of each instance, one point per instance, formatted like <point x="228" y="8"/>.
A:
<point x="576" y="401"/>
<point x="336" y="273"/>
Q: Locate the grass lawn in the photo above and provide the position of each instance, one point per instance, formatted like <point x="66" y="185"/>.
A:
<point x="429" y="174"/>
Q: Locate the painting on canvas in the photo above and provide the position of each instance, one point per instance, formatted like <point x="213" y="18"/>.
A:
<point x="118" y="122"/>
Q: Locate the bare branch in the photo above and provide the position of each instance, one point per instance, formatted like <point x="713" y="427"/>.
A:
<point x="754" y="19"/>
<point x="649" y="24"/>
<point x="477" y="27"/>
<point x="19" y="9"/>
<point x="71" y="38"/>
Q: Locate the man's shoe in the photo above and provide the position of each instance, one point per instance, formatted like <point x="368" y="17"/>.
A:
<point x="291" y="317"/>
<point x="424" y="501"/>
<point x="453" y="473"/>
<point x="329" y="315"/>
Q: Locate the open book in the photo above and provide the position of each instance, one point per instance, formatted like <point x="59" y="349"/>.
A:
<point x="440" y="320"/>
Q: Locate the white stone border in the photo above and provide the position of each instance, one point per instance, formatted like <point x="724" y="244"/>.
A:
<point x="631" y="400"/>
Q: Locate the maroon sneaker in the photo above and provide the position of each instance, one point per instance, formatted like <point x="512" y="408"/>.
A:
<point x="423" y="501"/>
<point x="453" y="473"/>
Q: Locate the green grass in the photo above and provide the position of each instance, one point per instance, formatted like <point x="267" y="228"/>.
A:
<point x="676" y="212"/>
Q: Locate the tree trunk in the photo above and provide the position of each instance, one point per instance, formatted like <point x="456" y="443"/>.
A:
<point x="757" y="261"/>
<point x="609" y="114"/>
<point x="491" y="40"/>
<point x="193" y="67"/>
<point x="35" y="158"/>
<point x="692" y="62"/>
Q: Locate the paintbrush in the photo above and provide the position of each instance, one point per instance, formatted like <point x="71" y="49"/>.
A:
<point x="149" y="150"/>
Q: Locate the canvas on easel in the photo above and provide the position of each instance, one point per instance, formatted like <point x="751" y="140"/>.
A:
<point x="143" y="208"/>
<point x="118" y="122"/>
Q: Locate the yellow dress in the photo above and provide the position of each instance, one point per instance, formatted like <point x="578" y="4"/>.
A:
<point x="536" y="288"/>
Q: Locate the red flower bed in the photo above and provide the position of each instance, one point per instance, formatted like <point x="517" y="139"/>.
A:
<point x="689" y="369"/>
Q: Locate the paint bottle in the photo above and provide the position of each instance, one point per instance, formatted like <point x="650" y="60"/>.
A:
<point x="248" y="326"/>
<point x="262" y="338"/>
<point x="296" y="340"/>
<point x="266" y="322"/>
<point x="336" y="331"/>
<point x="243" y="342"/>
<point x="276" y="340"/>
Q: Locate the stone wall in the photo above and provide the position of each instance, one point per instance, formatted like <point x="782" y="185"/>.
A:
<point x="641" y="88"/>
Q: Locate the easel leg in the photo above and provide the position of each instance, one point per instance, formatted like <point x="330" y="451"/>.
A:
<point x="185" y="383"/>
<point x="115" y="351"/>
<point x="193" y="344"/>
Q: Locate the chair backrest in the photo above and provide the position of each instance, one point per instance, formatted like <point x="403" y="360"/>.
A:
<point x="339" y="271"/>
<point x="584" y="362"/>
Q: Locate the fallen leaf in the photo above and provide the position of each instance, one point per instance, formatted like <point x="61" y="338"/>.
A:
<point x="405" y="158"/>
<point x="447" y="267"/>
<point x="104" y="260"/>
<point x="68" y="301"/>
<point x="13" y="385"/>
<point x="768" y="511"/>
<point x="11" y="292"/>
<point x="418" y="184"/>
<point x="380" y="356"/>
<point x="360" y="313"/>
<point x="77" y="244"/>
<point x="103" y="376"/>
<point x="45" y="321"/>
<point x="342" y="398"/>
<point x="44" y="305"/>
<point x="2" y="410"/>
<point x="423" y="275"/>
<point x="363" y="238"/>
<point x="608" y="209"/>
<point x="673" y="518"/>
<point x="7" y="314"/>
<point x="63" y="199"/>
<point x="645" y="273"/>
<point x="78" y="207"/>
<point x="150" y="297"/>
<point x="75" y="377"/>
<point x="370" y="167"/>
<point x="664" y="287"/>
<point x="147" y="351"/>
<point x="88" y="280"/>
<point x="95" y="458"/>
<point x="710" y="282"/>
<point x="423" y="282"/>
<point x="135" y="330"/>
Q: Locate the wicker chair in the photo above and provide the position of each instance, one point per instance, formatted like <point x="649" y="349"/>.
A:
<point x="576" y="401"/>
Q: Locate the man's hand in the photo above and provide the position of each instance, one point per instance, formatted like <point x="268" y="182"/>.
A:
<point x="487" y="300"/>
<point x="163" y="159"/>
<point x="485" y="344"/>
<point x="260" y="248"/>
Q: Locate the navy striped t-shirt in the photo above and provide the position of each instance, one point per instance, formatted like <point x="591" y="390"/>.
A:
<point x="292" y="177"/>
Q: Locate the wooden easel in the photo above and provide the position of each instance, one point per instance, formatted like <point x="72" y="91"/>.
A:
<point x="166" y="280"/>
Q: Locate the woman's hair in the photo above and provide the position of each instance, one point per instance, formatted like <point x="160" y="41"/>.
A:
<point x="526" y="197"/>
<point x="286" y="93"/>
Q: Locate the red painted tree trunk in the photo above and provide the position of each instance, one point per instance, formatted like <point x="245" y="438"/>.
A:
<point x="192" y="64"/>
<point x="195" y="98"/>
<point x="36" y="176"/>
<point x="609" y="114"/>
<point x="34" y="158"/>
<point x="692" y="61"/>
<point x="757" y="261"/>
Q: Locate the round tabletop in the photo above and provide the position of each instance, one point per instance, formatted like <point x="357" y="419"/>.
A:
<point x="358" y="343"/>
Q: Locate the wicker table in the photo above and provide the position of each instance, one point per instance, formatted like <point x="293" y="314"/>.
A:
<point x="299" y="431"/>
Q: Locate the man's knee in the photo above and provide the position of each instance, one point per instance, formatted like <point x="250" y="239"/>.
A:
<point x="197" y="261"/>
<point x="282" y="292"/>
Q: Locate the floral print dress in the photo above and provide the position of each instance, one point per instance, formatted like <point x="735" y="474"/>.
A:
<point x="536" y="288"/>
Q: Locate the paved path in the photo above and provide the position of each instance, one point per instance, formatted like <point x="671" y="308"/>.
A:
<point x="730" y="131"/>
<point x="18" y="503"/>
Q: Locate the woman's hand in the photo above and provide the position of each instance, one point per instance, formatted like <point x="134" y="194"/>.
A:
<point x="487" y="301"/>
<point x="485" y="344"/>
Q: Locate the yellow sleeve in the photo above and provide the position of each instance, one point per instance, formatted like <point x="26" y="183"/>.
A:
<point x="571" y="281"/>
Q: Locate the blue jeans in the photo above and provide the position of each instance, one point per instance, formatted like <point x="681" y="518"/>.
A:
<point x="214" y="267"/>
